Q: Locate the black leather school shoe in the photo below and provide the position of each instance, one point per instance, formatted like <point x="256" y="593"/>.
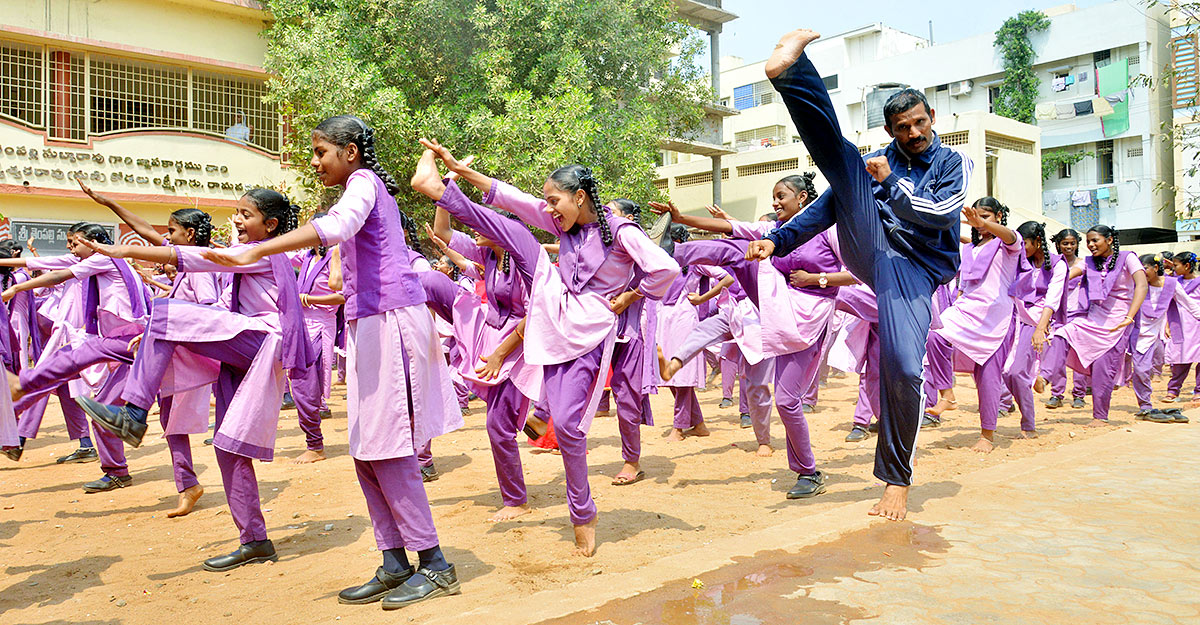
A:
<point x="374" y="590"/>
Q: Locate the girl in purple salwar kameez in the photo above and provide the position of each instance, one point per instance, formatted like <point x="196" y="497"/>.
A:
<point x="1163" y="294"/>
<point x="572" y="321"/>
<point x="1183" y="344"/>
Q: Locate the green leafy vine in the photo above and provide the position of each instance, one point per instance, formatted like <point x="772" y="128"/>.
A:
<point x="1054" y="159"/>
<point x="1019" y="91"/>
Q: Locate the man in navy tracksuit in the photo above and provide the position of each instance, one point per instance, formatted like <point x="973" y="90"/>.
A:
<point x="897" y="218"/>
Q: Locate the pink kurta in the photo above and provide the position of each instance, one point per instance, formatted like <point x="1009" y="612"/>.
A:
<point x="677" y="320"/>
<point x="1090" y="336"/>
<point x="1150" y="331"/>
<point x="979" y="320"/>
<point x="399" y="395"/>
<point x="190" y="408"/>
<point x="1183" y="348"/>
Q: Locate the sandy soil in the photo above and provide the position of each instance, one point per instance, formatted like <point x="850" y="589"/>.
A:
<point x="115" y="557"/>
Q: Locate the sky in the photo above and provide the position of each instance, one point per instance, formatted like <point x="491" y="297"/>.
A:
<point x="760" y="23"/>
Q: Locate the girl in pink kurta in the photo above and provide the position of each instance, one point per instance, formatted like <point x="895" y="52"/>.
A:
<point x="1162" y="295"/>
<point x="1183" y="344"/>
<point x="978" y="322"/>
<point x="244" y="346"/>
<point x="1114" y="287"/>
<point x="1067" y="243"/>
<point x="398" y="393"/>
<point x="572" y="323"/>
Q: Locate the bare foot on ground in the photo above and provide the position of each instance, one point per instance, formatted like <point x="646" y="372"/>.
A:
<point x="983" y="446"/>
<point x="788" y="50"/>
<point x="309" y="456"/>
<point x="1098" y="423"/>
<point x="765" y="451"/>
<point x="1027" y="434"/>
<point x="698" y="430"/>
<point x="675" y="435"/>
<point x="187" y="501"/>
<point x="585" y="538"/>
<point x="508" y="513"/>
<point x="894" y="503"/>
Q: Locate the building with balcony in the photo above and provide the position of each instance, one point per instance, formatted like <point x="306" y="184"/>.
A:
<point x="1086" y="61"/>
<point x="165" y="115"/>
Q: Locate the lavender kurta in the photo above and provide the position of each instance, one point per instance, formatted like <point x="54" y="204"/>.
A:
<point x="320" y="319"/>
<point x="569" y="312"/>
<point x="399" y="395"/>
<point x="678" y="318"/>
<point x="1110" y="297"/>
<point x="980" y="318"/>
<point x="1152" y="317"/>
<point x="189" y="408"/>
<point x="1183" y="348"/>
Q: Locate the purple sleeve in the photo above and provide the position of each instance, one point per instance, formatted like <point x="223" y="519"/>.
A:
<point x="51" y="263"/>
<point x="1132" y="264"/>
<point x="528" y="208"/>
<point x="463" y="244"/>
<point x="91" y="266"/>
<point x="188" y="258"/>
<point x="346" y="217"/>
<point x="716" y="273"/>
<point x="1058" y="284"/>
<point x="659" y="268"/>
<point x="1186" y="302"/>
<point x="750" y="230"/>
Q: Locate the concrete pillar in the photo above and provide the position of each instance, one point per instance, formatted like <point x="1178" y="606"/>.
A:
<point x="716" y="183"/>
<point x="714" y="53"/>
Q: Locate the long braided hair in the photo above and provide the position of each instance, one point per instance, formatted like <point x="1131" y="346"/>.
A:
<point x="197" y="220"/>
<point x="8" y="249"/>
<point x="629" y="209"/>
<point x="572" y="178"/>
<point x="1035" y="231"/>
<point x="1107" y="232"/>
<point x="1185" y="258"/>
<point x="275" y="205"/>
<point x="802" y="182"/>
<point x="1152" y="260"/>
<point x="993" y="206"/>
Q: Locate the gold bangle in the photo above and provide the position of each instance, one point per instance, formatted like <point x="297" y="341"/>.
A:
<point x="519" y="333"/>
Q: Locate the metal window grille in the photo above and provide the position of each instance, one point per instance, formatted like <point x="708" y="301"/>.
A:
<point x="787" y="164"/>
<point x="1135" y="59"/>
<point x="661" y="184"/>
<point x="704" y="177"/>
<point x="21" y="83"/>
<point x="811" y="162"/>
<point x="752" y="95"/>
<point x="67" y="91"/>
<point x="831" y="82"/>
<point x="1001" y="142"/>
<point x="1134" y="152"/>
<point x="955" y="138"/>
<point x="128" y="95"/>
<point x="224" y="104"/>
<point x="766" y="136"/>
<point x="1185" y="65"/>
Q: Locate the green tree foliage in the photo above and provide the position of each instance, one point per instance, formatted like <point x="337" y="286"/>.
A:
<point x="1018" y="92"/>
<point x="1052" y="160"/>
<point x="524" y="85"/>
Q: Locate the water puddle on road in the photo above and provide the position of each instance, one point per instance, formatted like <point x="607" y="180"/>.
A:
<point x="770" y="587"/>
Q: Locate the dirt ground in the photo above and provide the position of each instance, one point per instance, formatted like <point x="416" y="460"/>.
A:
<point x="115" y="558"/>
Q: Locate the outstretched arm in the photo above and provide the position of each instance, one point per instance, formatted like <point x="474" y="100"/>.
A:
<point x="1004" y="233"/>
<point x="50" y="278"/>
<point x="135" y="222"/>
<point x="699" y="298"/>
<point x="710" y="224"/>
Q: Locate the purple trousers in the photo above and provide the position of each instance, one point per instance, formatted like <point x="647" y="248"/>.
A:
<point x="868" y="382"/>
<point x="425" y="454"/>
<point x="308" y="391"/>
<point x="506" y="409"/>
<point x="1143" y="373"/>
<point x="687" y="407"/>
<point x="566" y="388"/>
<point x="633" y="406"/>
<point x="755" y="390"/>
<point x="180" y="447"/>
<point x="1058" y="383"/>
<point x="790" y="383"/>
<point x="397" y="503"/>
<point x="30" y="413"/>
<point x="235" y="355"/>
<point x="1179" y="374"/>
<point x="729" y="375"/>
<point x="939" y="367"/>
<point x="1104" y="370"/>
<point x="1019" y="378"/>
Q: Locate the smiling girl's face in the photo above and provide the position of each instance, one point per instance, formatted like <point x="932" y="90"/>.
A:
<point x="1098" y="244"/>
<point x="249" y="222"/>
<point x="786" y="202"/>
<point x="565" y="207"/>
<point x="76" y="247"/>
<point x="1068" y="246"/>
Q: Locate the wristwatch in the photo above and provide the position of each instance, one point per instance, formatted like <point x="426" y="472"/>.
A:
<point x="824" y="280"/>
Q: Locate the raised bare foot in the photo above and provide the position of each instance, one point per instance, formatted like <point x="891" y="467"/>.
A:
<point x="508" y="513"/>
<point x="310" y="456"/>
<point x="14" y="386"/>
<point x="1098" y="423"/>
<point x="585" y="538"/>
<point x="765" y="451"/>
<point x="1039" y="385"/>
<point x="426" y="179"/>
<point x="983" y="446"/>
<point x="1027" y="434"/>
<point x="187" y="501"/>
<point x="667" y="368"/>
<point x="675" y="435"/>
<point x="630" y="472"/>
<point x="943" y="405"/>
<point x="894" y="503"/>
<point x="698" y="430"/>
<point x="788" y="50"/>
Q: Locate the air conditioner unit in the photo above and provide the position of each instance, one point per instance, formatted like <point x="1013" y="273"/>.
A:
<point x="961" y="88"/>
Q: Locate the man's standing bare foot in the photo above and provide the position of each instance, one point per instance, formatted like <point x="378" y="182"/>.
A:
<point x="309" y="456"/>
<point x="585" y="538"/>
<point x="985" y="445"/>
<point x="788" y="50"/>
<point x="508" y="513"/>
<point x="765" y="451"/>
<point x="894" y="503"/>
<point x="187" y="501"/>
<point x="667" y="368"/>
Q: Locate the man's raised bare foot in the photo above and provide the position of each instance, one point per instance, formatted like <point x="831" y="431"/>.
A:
<point x="765" y="451"/>
<point x="187" y="501"/>
<point x="426" y="179"/>
<point x="1039" y="385"/>
<point x="14" y="386"/>
<point x="585" y="538"/>
<point x="1098" y="423"/>
<point x="894" y="503"/>
<point x="667" y="368"/>
<point x="508" y="513"/>
<point x="675" y="435"/>
<point x="1027" y="434"/>
<point x="788" y="50"/>
<point x="698" y="430"/>
<point x="310" y="456"/>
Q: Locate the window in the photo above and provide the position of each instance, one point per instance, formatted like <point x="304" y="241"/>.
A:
<point x="955" y="138"/>
<point x="1185" y="66"/>
<point x="995" y="141"/>
<point x="21" y="85"/>
<point x="219" y="103"/>
<point x="1064" y="170"/>
<point x="1101" y="58"/>
<point x="787" y="164"/>
<point x="1134" y="152"/>
<point x="750" y="96"/>
<point x="1104" y="162"/>
<point x="128" y="94"/>
<point x="66" y="96"/>
<point x="831" y="82"/>
<point x="993" y="98"/>
<point x="765" y="137"/>
<point x="1135" y="59"/>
